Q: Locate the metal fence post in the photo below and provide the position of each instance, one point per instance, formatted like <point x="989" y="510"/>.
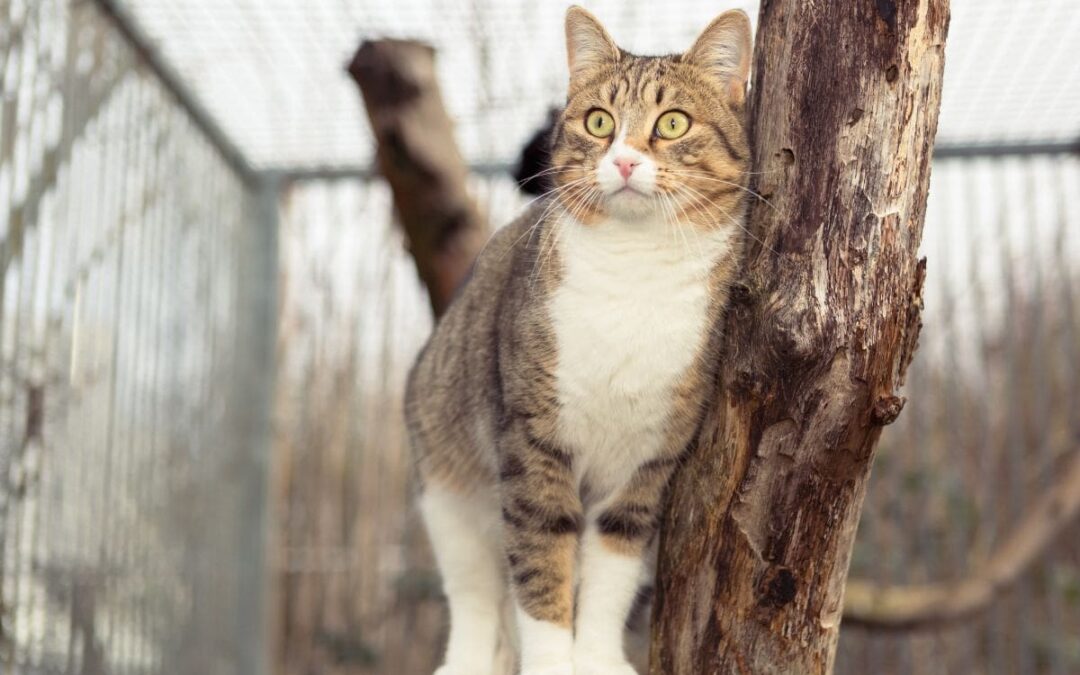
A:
<point x="254" y="398"/>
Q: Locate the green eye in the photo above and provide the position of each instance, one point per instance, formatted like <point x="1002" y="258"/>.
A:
<point x="600" y="123"/>
<point x="672" y="125"/>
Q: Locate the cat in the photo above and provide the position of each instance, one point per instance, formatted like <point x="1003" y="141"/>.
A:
<point x="565" y="382"/>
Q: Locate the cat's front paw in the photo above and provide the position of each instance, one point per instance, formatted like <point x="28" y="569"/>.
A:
<point x="589" y="666"/>
<point x="556" y="669"/>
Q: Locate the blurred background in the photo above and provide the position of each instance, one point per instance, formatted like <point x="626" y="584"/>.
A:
<point x="207" y="313"/>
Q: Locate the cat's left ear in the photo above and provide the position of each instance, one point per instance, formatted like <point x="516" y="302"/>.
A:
<point x="724" y="49"/>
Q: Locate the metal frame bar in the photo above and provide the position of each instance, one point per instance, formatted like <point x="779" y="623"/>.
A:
<point x="335" y="173"/>
<point x="174" y="83"/>
<point x="1022" y="149"/>
<point x="255" y="384"/>
<point x="496" y="169"/>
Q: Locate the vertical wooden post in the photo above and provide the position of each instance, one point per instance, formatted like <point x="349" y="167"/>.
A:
<point x="419" y="158"/>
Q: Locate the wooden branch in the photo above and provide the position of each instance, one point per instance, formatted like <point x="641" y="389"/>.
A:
<point x="931" y="605"/>
<point x="758" y="535"/>
<point x="419" y="158"/>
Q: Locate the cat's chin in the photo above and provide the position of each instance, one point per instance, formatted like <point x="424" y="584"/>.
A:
<point x="630" y="205"/>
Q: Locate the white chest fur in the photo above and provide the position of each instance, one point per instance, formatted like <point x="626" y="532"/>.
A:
<point x="630" y="316"/>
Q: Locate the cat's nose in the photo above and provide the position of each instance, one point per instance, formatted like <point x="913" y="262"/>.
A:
<point x="626" y="166"/>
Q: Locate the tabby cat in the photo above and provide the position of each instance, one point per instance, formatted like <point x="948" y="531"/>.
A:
<point x="565" y="382"/>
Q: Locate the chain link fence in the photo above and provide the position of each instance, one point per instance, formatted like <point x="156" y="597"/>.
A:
<point x="130" y="482"/>
<point x="991" y="414"/>
<point x="146" y="272"/>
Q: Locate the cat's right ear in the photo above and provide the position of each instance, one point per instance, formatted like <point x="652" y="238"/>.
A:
<point x="588" y="46"/>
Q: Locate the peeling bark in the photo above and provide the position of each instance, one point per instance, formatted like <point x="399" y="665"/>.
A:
<point x="758" y="535"/>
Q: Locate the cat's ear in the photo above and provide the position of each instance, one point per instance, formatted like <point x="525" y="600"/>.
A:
<point x="724" y="49"/>
<point x="588" y="45"/>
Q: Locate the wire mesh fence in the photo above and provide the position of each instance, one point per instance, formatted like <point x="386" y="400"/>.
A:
<point x="278" y="86"/>
<point x="990" y="416"/>
<point x="138" y="269"/>
<point x="126" y="314"/>
<point x="358" y="592"/>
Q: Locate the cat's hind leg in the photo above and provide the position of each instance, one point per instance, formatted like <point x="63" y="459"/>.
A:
<point x="464" y="533"/>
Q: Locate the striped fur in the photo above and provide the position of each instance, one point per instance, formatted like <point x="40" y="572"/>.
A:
<point x="562" y="387"/>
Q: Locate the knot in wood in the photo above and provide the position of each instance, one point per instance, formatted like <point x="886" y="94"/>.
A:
<point x="798" y="341"/>
<point x="887" y="409"/>
<point x="778" y="587"/>
<point x="790" y="345"/>
<point x="744" y="386"/>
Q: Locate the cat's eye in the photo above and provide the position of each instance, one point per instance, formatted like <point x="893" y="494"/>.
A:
<point x="672" y="125"/>
<point x="600" y="123"/>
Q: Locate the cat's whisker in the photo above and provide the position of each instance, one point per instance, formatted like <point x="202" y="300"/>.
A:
<point x="581" y="207"/>
<point x="727" y="215"/>
<point x="694" y="230"/>
<point x="561" y="188"/>
<point x="550" y="170"/>
<point x="700" y="175"/>
<point x="597" y="195"/>
<point x="552" y="223"/>
<point x="577" y="210"/>
<point x="567" y="196"/>
<point x="555" y="191"/>
<point x="669" y="216"/>
<point x="711" y="178"/>
<point x="554" y="174"/>
<point x="759" y="173"/>
<point x="571" y="197"/>
<point x="741" y="173"/>
<point x="586" y="175"/>
<point x="680" y="230"/>
<point x="678" y="226"/>
<point x="558" y="188"/>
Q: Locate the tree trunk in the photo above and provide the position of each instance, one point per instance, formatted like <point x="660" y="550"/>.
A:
<point x="419" y="158"/>
<point x="759" y="532"/>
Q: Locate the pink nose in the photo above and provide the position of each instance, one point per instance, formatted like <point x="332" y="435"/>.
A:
<point x="626" y="166"/>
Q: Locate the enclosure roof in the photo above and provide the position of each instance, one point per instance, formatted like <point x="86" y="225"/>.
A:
<point x="271" y="72"/>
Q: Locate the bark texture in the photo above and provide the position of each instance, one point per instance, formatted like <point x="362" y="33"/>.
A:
<point x="420" y="160"/>
<point x="758" y="536"/>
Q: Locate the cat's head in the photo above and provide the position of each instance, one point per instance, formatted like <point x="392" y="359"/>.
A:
<point x="654" y="137"/>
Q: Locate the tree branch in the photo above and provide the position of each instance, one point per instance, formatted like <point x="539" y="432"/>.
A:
<point x="419" y="158"/>
<point x="931" y="605"/>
